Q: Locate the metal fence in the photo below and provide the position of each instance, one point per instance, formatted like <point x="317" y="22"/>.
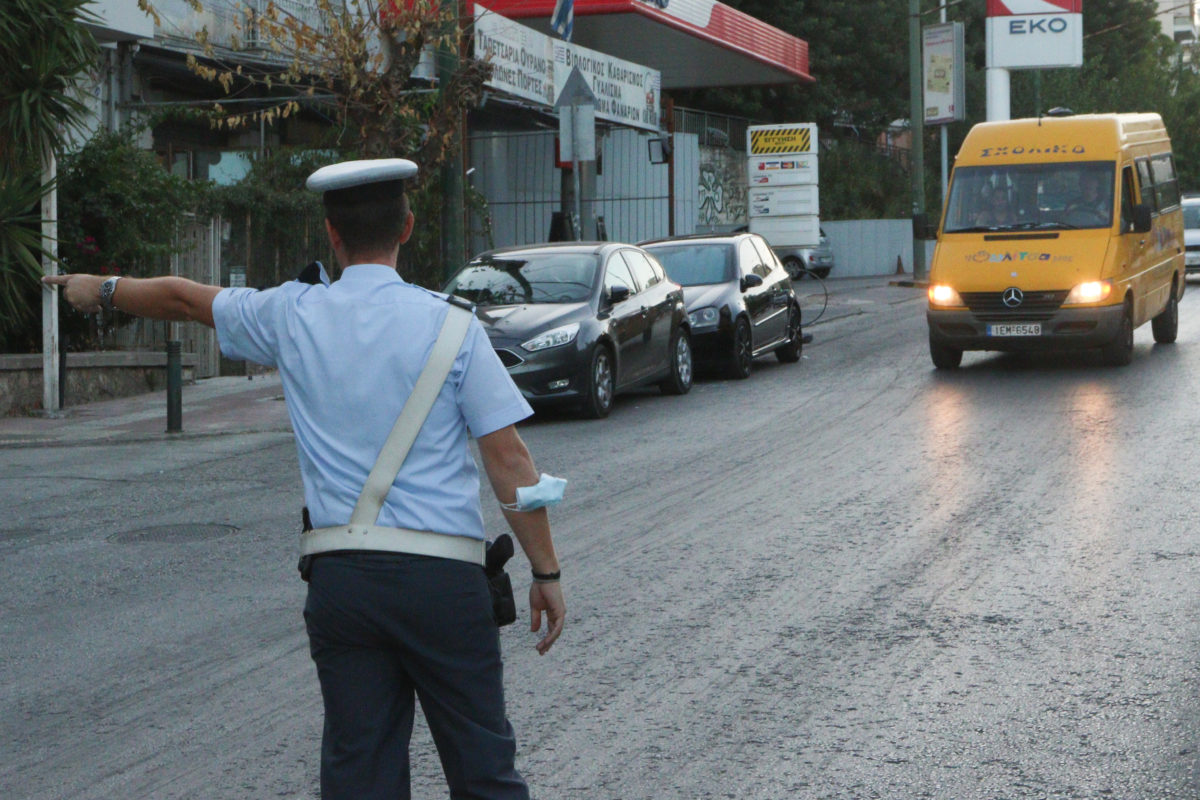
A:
<point x="516" y="175"/>
<point x="713" y="130"/>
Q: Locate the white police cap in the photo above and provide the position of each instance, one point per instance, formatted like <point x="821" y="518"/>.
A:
<point x="350" y="174"/>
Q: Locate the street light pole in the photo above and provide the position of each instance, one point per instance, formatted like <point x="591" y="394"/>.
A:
<point x="917" y="129"/>
<point x="51" y="341"/>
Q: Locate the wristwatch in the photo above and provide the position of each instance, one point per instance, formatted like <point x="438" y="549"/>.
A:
<point x="106" y="292"/>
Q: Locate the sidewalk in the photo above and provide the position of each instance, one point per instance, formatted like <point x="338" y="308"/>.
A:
<point x="233" y="405"/>
<point x="214" y="406"/>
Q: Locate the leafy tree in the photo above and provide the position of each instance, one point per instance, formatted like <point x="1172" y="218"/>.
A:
<point x="357" y="64"/>
<point x="859" y="64"/>
<point x="276" y="225"/>
<point x="44" y="50"/>
<point x="858" y="53"/>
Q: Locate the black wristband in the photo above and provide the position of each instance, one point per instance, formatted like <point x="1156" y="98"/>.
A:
<point x="546" y="577"/>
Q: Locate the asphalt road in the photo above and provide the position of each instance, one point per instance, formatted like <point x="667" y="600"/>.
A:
<point x="852" y="577"/>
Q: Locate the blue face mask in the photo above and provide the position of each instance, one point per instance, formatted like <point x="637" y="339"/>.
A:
<point x="548" y="491"/>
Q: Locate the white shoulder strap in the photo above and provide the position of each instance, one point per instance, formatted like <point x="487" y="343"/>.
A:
<point x="412" y="416"/>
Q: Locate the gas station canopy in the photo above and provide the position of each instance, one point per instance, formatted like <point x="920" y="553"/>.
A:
<point x="693" y="43"/>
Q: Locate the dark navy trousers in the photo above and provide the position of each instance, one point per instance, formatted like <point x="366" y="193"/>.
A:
<point x="384" y="628"/>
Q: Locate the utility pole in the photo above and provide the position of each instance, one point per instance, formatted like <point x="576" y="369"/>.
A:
<point x="917" y="128"/>
<point x="945" y="147"/>
<point x="454" y="253"/>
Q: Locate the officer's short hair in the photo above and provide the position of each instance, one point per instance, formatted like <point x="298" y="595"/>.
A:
<point x="368" y="217"/>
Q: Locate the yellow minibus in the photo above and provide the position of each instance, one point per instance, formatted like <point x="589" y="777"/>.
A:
<point x="1063" y="232"/>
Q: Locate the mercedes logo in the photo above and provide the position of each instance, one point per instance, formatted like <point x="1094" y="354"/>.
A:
<point x="1013" y="297"/>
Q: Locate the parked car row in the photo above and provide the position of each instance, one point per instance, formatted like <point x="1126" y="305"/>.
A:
<point x="578" y="322"/>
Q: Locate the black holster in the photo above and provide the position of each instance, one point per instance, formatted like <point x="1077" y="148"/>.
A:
<point x="305" y="565"/>
<point x="504" y="605"/>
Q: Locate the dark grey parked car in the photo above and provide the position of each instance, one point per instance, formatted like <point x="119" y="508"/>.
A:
<point x="578" y="322"/>
<point x="740" y="300"/>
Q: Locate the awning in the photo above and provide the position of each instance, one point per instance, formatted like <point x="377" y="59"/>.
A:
<point x="693" y="43"/>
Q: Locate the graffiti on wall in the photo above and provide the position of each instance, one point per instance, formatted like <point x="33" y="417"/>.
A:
<point x="722" y="188"/>
<point x="712" y="196"/>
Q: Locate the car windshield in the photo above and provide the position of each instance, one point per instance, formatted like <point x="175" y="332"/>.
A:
<point x="1191" y="216"/>
<point x="1053" y="196"/>
<point x="526" y="278"/>
<point x="696" y="264"/>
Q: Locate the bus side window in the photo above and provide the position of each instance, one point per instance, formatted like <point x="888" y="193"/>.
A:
<point x="1127" y="200"/>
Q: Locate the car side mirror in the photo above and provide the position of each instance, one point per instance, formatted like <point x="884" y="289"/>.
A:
<point x="618" y="294"/>
<point x="1141" y="218"/>
<point x="751" y="281"/>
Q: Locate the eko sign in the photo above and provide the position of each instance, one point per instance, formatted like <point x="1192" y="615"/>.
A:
<point x="1034" y="34"/>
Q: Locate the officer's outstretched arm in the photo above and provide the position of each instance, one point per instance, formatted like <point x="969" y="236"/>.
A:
<point x="509" y="465"/>
<point x="169" y="298"/>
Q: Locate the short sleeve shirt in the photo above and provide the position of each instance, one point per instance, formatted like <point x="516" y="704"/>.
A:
<point x="348" y="356"/>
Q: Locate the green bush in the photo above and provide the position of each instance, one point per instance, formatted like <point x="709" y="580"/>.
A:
<point x="119" y="210"/>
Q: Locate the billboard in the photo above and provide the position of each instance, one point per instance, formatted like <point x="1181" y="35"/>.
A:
<point x="784" y="198"/>
<point x="531" y="65"/>
<point x="1034" y="34"/>
<point x="943" y="64"/>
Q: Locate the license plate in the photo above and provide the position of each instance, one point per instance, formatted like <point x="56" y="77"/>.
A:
<point x="1022" y="329"/>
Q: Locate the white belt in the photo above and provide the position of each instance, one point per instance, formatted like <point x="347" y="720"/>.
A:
<point x="392" y="540"/>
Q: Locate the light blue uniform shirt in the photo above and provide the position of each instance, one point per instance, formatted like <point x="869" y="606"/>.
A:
<point x="349" y="355"/>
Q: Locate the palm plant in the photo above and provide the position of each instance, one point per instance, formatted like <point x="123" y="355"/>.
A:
<point x="45" y="50"/>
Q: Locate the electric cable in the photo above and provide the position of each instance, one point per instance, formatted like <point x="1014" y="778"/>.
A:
<point x="824" y="298"/>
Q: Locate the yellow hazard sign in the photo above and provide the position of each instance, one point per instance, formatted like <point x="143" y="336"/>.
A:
<point x="773" y="141"/>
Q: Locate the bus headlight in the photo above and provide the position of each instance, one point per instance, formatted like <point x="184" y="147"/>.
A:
<point x="942" y="295"/>
<point x="1090" y="292"/>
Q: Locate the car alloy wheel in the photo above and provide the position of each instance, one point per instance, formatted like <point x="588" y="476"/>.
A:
<point x="679" y="379"/>
<point x="600" y="384"/>
<point x="742" y="356"/>
<point x="683" y="360"/>
<point x="789" y="351"/>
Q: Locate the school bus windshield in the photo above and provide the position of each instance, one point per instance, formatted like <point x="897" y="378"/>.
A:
<point x="1015" y="197"/>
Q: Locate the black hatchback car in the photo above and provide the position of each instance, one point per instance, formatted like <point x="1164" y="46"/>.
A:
<point x="580" y="321"/>
<point x="739" y="298"/>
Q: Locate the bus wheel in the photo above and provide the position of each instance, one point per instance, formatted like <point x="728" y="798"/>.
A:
<point x="944" y="357"/>
<point x="1119" y="352"/>
<point x="1166" y="324"/>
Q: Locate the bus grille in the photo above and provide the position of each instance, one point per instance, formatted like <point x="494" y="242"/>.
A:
<point x="990" y="307"/>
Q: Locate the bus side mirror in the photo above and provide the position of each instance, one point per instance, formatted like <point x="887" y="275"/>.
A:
<point x="1141" y="218"/>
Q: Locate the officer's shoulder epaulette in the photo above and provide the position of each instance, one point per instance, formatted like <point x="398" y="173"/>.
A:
<point x="311" y="274"/>
<point x="462" y="303"/>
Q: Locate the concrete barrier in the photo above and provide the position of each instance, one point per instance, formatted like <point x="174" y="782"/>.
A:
<point x="872" y="246"/>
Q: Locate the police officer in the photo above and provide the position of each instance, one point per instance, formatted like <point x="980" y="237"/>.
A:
<point x="384" y="626"/>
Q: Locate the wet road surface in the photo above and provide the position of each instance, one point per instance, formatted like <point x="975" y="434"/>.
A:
<point x="852" y="577"/>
